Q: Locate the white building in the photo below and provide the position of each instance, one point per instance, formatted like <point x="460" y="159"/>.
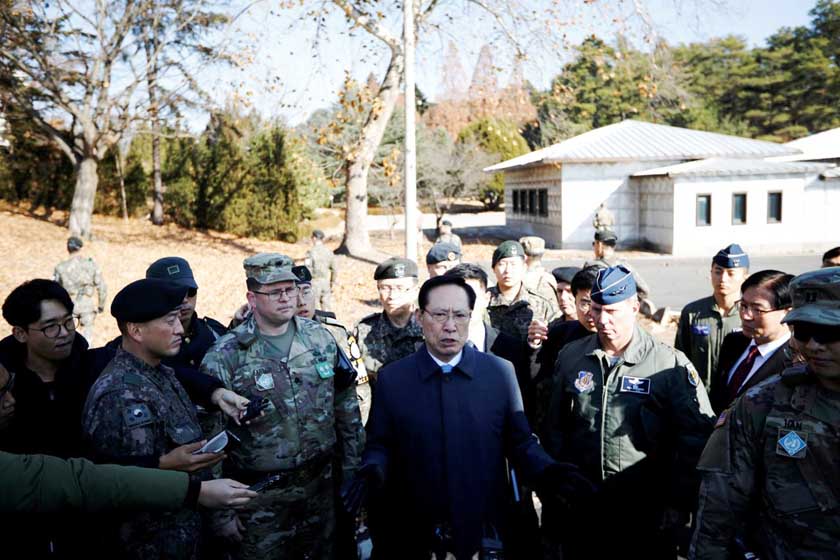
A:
<point x="676" y="190"/>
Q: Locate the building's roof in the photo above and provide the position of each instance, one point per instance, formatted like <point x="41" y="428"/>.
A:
<point x="727" y="166"/>
<point x="823" y="145"/>
<point x="632" y="140"/>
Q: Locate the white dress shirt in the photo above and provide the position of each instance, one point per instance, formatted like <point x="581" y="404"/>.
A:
<point x="453" y="362"/>
<point x="764" y="352"/>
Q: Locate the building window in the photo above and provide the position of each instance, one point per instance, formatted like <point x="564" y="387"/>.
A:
<point x="543" y="200"/>
<point x="774" y="207"/>
<point x="516" y="201"/>
<point x="704" y="210"/>
<point x="532" y="202"/>
<point x="739" y="209"/>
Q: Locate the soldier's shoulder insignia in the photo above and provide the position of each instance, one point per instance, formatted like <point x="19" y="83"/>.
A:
<point x="137" y="415"/>
<point x="693" y="377"/>
<point x="722" y="418"/>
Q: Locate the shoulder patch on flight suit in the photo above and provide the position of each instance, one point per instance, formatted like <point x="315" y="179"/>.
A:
<point x="693" y="378"/>
<point x="137" y="415"/>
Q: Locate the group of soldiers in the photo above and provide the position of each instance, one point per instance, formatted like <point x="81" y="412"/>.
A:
<point x="725" y="441"/>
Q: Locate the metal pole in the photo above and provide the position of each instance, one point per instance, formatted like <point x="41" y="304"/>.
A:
<point x="411" y="217"/>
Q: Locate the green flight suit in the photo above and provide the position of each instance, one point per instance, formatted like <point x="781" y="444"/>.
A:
<point x="700" y="334"/>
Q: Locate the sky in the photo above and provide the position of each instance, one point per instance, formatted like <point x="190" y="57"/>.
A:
<point x="294" y="67"/>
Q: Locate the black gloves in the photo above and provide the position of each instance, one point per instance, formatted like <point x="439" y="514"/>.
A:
<point x="564" y="483"/>
<point x="354" y="492"/>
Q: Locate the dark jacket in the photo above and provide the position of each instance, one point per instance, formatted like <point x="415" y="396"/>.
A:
<point x="200" y="336"/>
<point x="442" y="443"/>
<point x="515" y="351"/>
<point x="731" y="349"/>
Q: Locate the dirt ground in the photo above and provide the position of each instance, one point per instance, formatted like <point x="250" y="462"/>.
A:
<point x="34" y="245"/>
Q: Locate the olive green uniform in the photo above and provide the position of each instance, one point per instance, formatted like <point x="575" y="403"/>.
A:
<point x="700" y="334"/>
<point x="771" y="474"/>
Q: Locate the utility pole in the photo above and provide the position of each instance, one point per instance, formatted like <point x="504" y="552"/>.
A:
<point x="411" y="231"/>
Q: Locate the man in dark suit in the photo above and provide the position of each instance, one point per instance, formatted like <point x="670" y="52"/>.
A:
<point x="444" y="421"/>
<point x="760" y="349"/>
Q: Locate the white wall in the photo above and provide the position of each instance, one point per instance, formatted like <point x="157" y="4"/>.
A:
<point x="810" y="214"/>
<point x="656" y="211"/>
<point x="547" y="177"/>
<point x="586" y="185"/>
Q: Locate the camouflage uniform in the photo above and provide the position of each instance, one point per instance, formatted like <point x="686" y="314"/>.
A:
<point x="784" y="500"/>
<point x="513" y="317"/>
<point x="539" y="280"/>
<point x="307" y="421"/>
<point x="701" y="331"/>
<point x="322" y="262"/>
<point x="82" y="279"/>
<point x="449" y="238"/>
<point x="347" y="342"/>
<point x="382" y="343"/>
<point x="136" y="412"/>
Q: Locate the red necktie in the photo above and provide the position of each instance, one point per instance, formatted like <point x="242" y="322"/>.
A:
<point x="740" y="374"/>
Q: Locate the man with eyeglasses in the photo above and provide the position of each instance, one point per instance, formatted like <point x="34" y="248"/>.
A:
<point x="760" y="349"/>
<point x="704" y="323"/>
<point x="311" y="415"/>
<point x="444" y="421"/>
<point x="770" y="474"/>
<point x="632" y="413"/>
<point x="393" y="333"/>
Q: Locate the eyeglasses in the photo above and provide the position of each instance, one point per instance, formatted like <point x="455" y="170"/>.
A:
<point x="585" y="305"/>
<point x="276" y="295"/>
<point x="10" y="384"/>
<point x="822" y="334"/>
<point x="306" y="292"/>
<point x="394" y="289"/>
<point x="70" y="324"/>
<point x="752" y="308"/>
<point x="440" y="316"/>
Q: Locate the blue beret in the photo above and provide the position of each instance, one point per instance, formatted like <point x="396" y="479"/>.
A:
<point x="613" y="285"/>
<point x="441" y="252"/>
<point x="147" y="299"/>
<point x="732" y="257"/>
<point x="174" y="269"/>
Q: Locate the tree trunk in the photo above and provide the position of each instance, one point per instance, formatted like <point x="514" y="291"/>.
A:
<point x="121" y="175"/>
<point x="81" y="209"/>
<point x="157" y="192"/>
<point x="356" y="240"/>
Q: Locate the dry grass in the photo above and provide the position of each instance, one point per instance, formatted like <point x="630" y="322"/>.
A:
<point x="34" y="245"/>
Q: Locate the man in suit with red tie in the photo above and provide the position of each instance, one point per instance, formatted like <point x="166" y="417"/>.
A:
<point x="760" y="349"/>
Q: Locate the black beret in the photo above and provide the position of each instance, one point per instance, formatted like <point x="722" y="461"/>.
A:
<point x="565" y="273"/>
<point x="303" y="274"/>
<point x="74" y="243"/>
<point x="147" y="299"/>
<point x="605" y="235"/>
<point x="395" y="267"/>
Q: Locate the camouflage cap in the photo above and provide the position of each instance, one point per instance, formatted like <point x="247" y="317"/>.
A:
<point x="816" y="297"/>
<point x="507" y="249"/>
<point x="441" y="252"/>
<point x="268" y="268"/>
<point x="395" y="267"/>
<point x="534" y="246"/>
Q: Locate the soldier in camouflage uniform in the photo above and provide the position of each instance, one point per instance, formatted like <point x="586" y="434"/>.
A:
<point x="137" y="413"/>
<point x="82" y="279"/>
<point x="706" y="322"/>
<point x="393" y="333"/>
<point x="537" y="278"/>
<point x="632" y="414"/>
<point x="512" y="305"/>
<point x="445" y="235"/>
<point x="311" y="415"/>
<point x="771" y="478"/>
<point x="323" y="265"/>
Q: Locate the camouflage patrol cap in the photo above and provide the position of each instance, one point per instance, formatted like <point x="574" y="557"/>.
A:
<point x="442" y="252"/>
<point x="304" y="276"/>
<point x="268" y="268"/>
<point x="174" y="269"/>
<point x="507" y="249"/>
<point x="74" y="243"/>
<point x="816" y="297"/>
<point x="534" y="246"/>
<point x="395" y="267"/>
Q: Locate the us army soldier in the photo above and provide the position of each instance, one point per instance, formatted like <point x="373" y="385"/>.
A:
<point x="82" y="279"/>
<point x="537" y="278"/>
<point x="138" y="413"/>
<point x="323" y="266"/>
<point x="771" y="479"/>
<point x="311" y="415"/>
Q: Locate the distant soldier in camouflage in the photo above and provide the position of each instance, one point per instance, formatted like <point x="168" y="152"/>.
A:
<point x="445" y="234"/>
<point x="704" y="323"/>
<point x="537" y="278"/>
<point x="512" y="305"/>
<point x="323" y="265"/>
<point x="393" y="333"/>
<point x="138" y="414"/>
<point x="311" y="415"/>
<point x="771" y="478"/>
<point x="82" y="279"/>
